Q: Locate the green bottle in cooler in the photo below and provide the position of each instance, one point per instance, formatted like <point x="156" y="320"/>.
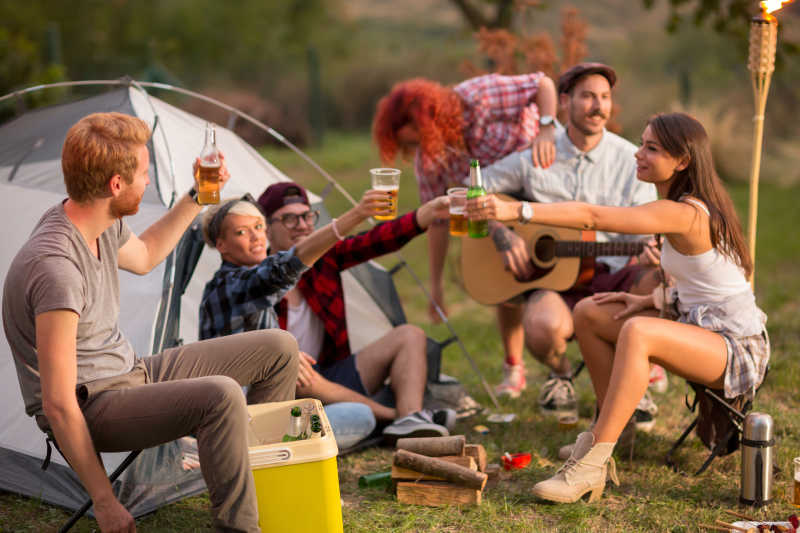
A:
<point x="476" y="228"/>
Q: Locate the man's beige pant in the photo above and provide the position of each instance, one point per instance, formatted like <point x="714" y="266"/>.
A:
<point x="196" y="389"/>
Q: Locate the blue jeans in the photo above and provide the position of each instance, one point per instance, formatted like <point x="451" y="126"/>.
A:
<point x="351" y="422"/>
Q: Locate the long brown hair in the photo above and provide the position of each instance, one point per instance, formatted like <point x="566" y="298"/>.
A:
<point x="683" y="136"/>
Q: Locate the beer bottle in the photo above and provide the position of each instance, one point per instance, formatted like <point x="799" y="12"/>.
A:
<point x="476" y="228"/>
<point x="295" y="430"/>
<point x="208" y="171"/>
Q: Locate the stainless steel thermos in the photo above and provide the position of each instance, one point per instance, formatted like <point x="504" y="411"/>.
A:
<point x="758" y="441"/>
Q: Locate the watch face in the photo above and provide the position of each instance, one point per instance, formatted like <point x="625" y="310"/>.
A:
<point x="527" y="211"/>
<point x="545" y="120"/>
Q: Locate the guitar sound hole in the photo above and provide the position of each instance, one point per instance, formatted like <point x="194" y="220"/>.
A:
<point x="545" y="249"/>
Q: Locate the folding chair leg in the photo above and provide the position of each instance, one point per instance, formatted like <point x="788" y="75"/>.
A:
<point x="716" y="450"/>
<point x="668" y="458"/>
<point x="88" y="503"/>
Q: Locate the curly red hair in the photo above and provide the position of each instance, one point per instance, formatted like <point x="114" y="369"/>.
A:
<point x="435" y="111"/>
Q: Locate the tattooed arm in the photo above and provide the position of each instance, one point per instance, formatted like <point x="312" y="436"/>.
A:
<point x="513" y="249"/>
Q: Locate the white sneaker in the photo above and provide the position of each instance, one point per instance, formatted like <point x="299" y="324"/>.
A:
<point x="513" y="381"/>
<point x="419" y="424"/>
<point x="658" y="379"/>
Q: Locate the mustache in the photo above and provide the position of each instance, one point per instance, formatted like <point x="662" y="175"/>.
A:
<point x="598" y="113"/>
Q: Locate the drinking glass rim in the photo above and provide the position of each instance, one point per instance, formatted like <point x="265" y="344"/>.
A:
<point x="385" y="171"/>
<point x="458" y="189"/>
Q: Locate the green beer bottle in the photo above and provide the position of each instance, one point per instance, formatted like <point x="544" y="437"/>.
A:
<point x="295" y="429"/>
<point x="476" y="228"/>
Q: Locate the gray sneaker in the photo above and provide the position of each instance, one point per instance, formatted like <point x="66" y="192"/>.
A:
<point x="557" y="395"/>
<point x="419" y="424"/>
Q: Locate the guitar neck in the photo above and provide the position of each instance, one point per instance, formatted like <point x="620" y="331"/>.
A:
<point x="594" y="249"/>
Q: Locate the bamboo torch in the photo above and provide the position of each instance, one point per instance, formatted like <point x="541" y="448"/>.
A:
<point x="761" y="64"/>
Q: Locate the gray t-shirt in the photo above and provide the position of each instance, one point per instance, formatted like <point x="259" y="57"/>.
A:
<point x="56" y="270"/>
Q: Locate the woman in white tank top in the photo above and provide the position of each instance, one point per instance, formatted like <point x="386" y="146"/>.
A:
<point x="718" y="338"/>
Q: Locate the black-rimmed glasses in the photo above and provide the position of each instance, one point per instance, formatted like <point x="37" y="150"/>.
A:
<point x="292" y="220"/>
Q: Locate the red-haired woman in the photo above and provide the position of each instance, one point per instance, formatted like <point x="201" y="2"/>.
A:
<point x="717" y="337"/>
<point x="483" y="118"/>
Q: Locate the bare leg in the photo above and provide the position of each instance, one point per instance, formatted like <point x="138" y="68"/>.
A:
<point x="689" y="351"/>
<point x="330" y="392"/>
<point x="597" y="334"/>
<point x="438" y="242"/>
<point x="400" y="354"/>
<point x="509" y="322"/>
<point x="548" y="326"/>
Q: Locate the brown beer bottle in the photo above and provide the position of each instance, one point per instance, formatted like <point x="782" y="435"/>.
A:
<point x="208" y="171"/>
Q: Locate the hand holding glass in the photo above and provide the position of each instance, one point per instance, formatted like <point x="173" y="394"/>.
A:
<point x="387" y="180"/>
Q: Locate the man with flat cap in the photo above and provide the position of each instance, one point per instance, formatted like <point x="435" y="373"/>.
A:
<point x="592" y="165"/>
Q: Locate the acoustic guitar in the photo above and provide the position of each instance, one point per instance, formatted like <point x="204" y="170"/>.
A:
<point x="563" y="258"/>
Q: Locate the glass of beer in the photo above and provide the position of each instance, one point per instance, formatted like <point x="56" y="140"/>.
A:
<point x="387" y="179"/>
<point x="796" y="464"/>
<point x="458" y="206"/>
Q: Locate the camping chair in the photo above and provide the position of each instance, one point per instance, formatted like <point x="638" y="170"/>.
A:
<point x="731" y="411"/>
<point x="51" y="442"/>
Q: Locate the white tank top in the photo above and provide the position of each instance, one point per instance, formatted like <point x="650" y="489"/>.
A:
<point x="706" y="278"/>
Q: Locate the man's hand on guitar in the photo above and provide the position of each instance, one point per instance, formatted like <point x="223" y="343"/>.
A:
<point x="633" y="303"/>
<point x="513" y="250"/>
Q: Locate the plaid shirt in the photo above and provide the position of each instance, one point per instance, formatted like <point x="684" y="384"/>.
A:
<point x="321" y="285"/>
<point x="500" y="117"/>
<point x="240" y="298"/>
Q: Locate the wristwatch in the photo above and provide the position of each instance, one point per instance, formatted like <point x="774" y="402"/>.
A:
<point x="546" y="120"/>
<point x="525" y="212"/>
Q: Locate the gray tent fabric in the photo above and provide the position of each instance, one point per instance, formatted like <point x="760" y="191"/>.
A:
<point x="158" y="310"/>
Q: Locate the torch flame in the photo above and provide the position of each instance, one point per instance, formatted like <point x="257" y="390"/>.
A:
<point x="768" y="6"/>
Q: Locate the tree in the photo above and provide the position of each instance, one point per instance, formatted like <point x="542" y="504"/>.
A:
<point x="492" y="14"/>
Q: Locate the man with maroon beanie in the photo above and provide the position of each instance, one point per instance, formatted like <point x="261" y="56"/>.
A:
<point x="314" y="312"/>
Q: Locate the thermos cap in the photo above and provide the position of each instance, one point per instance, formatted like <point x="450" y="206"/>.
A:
<point x="758" y="427"/>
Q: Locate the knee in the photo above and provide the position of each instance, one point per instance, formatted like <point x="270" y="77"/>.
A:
<point x="281" y="346"/>
<point x="411" y="335"/>
<point x="541" y="331"/>
<point x="634" y="331"/>
<point x="585" y="314"/>
<point x="225" y="393"/>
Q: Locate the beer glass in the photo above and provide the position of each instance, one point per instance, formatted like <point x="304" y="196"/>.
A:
<point x="796" y="500"/>
<point x="458" y="205"/>
<point x="387" y="179"/>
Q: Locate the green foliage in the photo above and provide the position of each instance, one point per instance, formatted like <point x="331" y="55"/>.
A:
<point x="728" y="17"/>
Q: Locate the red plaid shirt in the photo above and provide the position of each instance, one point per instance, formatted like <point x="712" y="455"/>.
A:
<point x="321" y="285"/>
<point x="500" y="117"/>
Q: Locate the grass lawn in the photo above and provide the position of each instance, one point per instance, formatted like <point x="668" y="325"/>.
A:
<point x="651" y="497"/>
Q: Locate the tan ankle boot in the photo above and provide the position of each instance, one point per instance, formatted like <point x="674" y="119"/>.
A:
<point x="584" y="471"/>
<point x="565" y="452"/>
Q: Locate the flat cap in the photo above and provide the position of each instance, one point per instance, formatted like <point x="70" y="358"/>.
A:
<point x="569" y="78"/>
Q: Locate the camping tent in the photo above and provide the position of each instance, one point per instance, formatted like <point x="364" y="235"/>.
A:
<point x="156" y="312"/>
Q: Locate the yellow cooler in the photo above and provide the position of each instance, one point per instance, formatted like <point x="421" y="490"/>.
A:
<point x="297" y="482"/>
